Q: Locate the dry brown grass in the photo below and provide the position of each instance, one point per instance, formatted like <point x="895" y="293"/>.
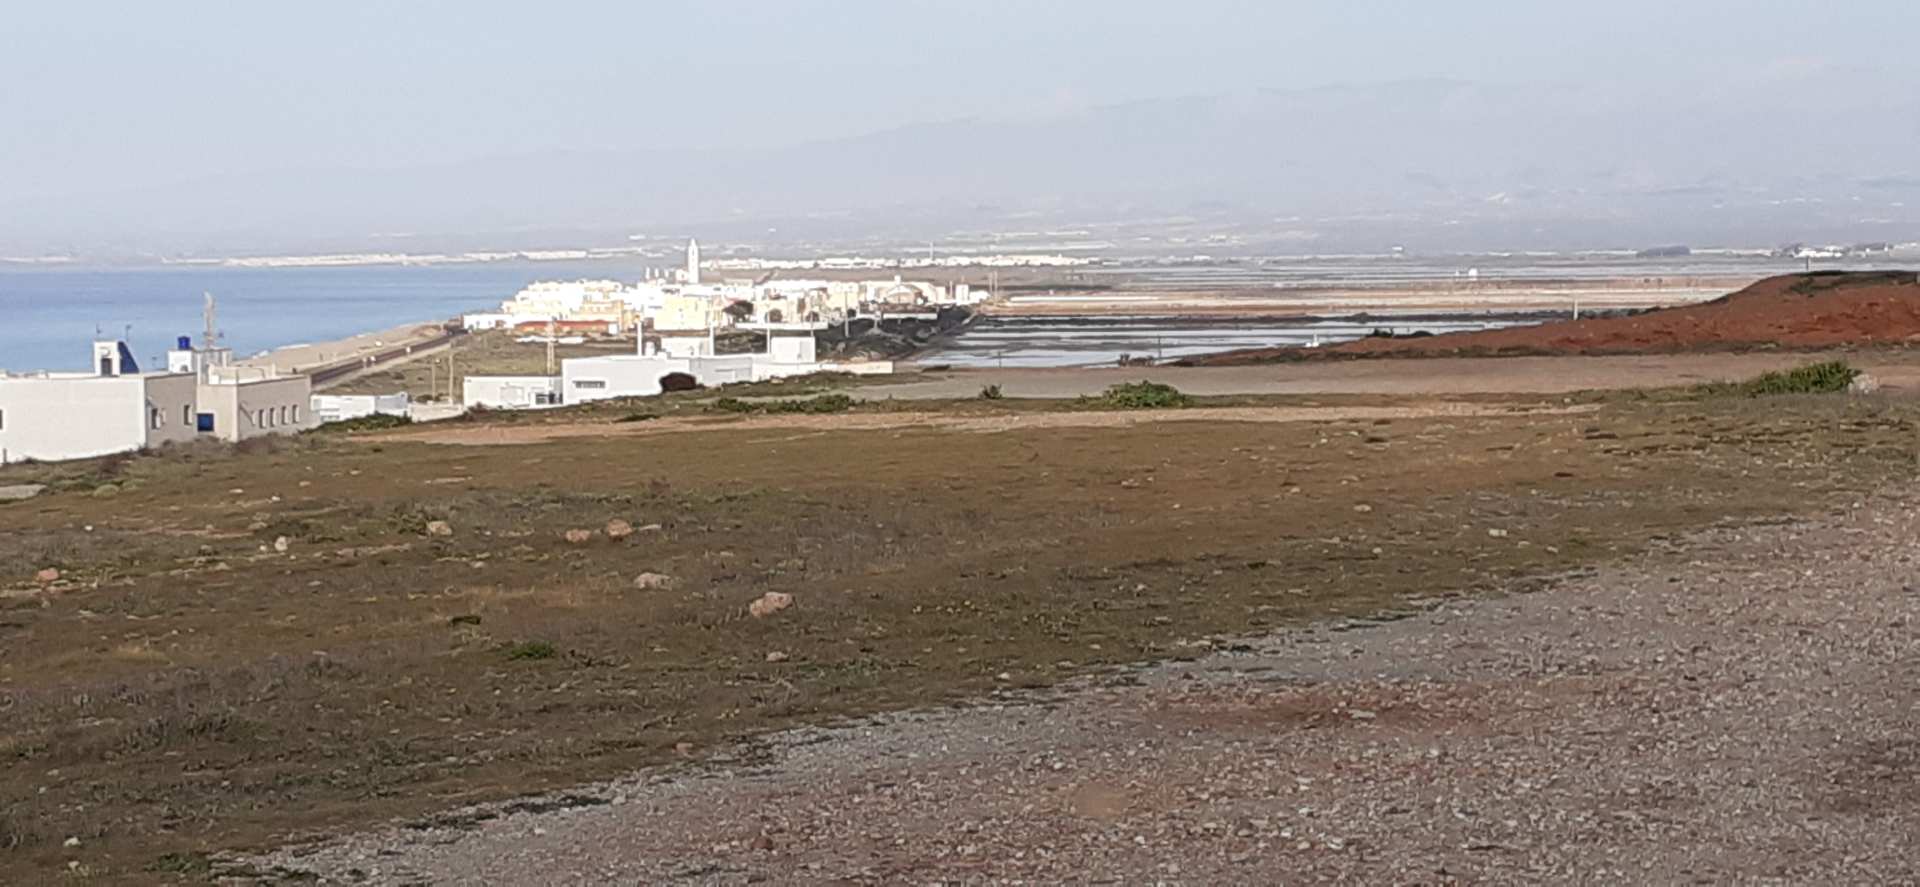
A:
<point x="188" y="692"/>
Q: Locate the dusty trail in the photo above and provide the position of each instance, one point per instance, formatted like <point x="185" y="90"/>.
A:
<point x="1738" y="707"/>
<point x="498" y="435"/>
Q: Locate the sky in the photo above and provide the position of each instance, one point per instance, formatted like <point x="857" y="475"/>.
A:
<point x="104" y="97"/>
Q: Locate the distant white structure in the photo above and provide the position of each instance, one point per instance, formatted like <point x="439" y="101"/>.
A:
<point x="114" y="408"/>
<point x="510" y="392"/>
<point x="791" y="351"/>
<point x="341" y="407"/>
<point x="693" y="262"/>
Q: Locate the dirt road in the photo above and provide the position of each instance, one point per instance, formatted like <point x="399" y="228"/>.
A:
<point x="494" y="435"/>
<point x="1740" y="707"/>
<point x="1437" y="376"/>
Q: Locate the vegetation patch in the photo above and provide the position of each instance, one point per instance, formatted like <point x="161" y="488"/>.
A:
<point x="532" y="650"/>
<point x="825" y="403"/>
<point x="1817" y="378"/>
<point x="375" y="422"/>
<point x="1142" y="396"/>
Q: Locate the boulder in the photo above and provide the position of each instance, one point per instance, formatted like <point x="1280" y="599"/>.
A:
<point x="653" y="581"/>
<point x="17" y="492"/>
<point x="770" y="603"/>
<point x="1863" y="384"/>
<point x="578" y="536"/>
<point x="281" y="544"/>
<point x="439" y="528"/>
<point x="619" y="529"/>
<point x="47" y="575"/>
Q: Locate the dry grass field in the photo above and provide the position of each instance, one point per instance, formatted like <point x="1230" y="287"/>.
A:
<point x="251" y="645"/>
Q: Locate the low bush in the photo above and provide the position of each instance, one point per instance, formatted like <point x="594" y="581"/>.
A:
<point x="1143" y="396"/>
<point x="375" y="422"/>
<point x="990" y="392"/>
<point x="825" y="403"/>
<point x="1816" y="378"/>
<point x="532" y="650"/>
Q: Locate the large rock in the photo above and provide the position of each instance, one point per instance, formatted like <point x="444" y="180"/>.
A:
<point x="439" y="528"/>
<point x="653" y="581"/>
<point x="17" y="492"/>
<point x="619" y="529"/>
<point x="770" y="603"/>
<point x="578" y="536"/>
<point x="47" y="575"/>
<point x="1863" y="384"/>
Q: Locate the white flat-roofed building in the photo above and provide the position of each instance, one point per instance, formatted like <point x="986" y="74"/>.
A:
<point x="113" y="409"/>
<point x="240" y="402"/>
<point x="510" y="392"/>
<point x="237" y="403"/>
<point x="341" y="407"/>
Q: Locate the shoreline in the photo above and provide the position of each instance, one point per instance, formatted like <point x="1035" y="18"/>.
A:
<point x="312" y="357"/>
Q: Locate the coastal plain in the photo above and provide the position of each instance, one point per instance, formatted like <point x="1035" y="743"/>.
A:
<point x="237" y="649"/>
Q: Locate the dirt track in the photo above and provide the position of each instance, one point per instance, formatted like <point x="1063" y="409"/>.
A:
<point x="1738" y="708"/>
<point x="493" y="435"/>
<point x="1409" y="376"/>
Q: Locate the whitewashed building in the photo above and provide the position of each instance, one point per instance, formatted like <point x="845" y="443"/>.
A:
<point x="114" y="408"/>
<point x="341" y="407"/>
<point x="510" y="392"/>
<point x="235" y="403"/>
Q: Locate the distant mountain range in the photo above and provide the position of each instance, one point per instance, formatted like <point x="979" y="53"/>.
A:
<point x="1432" y="163"/>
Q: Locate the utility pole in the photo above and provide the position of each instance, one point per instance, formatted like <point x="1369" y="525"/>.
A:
<point x="550" y="337"/>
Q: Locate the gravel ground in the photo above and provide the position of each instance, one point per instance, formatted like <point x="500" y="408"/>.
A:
<point x="1445" y="376"/>
<point x="1739" y="707"/>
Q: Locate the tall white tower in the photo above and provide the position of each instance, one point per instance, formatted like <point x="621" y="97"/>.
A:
<point x="693" y="261"/>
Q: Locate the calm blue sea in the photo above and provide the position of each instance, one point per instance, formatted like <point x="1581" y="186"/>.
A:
<point x="49" y="315"/>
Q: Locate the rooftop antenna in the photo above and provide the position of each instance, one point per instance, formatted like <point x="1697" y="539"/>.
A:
<point x="209" y="337"/>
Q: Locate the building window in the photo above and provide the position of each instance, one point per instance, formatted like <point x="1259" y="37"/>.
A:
<point x="545" y="398"/>
<point x="155" y="418"/>
<point x="3" y="420"/>
<point x="589" y="383"/>
<point x="296" y="412"/>
<point x="186" y="416"/>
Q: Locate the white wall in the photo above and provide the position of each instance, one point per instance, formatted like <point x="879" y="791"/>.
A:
<point x="510" y="392"/>
<point x="243" y="410"/>
<point x="788" y="348"/>
<point x="75" y="417"/>
<point x="341" y="407"/>
<point x="585" y="379"/>
<point x="170" y="403"/>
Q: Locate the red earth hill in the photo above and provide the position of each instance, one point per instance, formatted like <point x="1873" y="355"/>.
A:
<point x="1795" y="311"/>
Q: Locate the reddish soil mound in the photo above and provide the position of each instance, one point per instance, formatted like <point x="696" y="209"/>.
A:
<point x="1819" y="310"/>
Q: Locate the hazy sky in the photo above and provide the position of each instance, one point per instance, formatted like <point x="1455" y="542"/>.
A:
<point x="100" y="97"/>
<point x="115" y="94"/>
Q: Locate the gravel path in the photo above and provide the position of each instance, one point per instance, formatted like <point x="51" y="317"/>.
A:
<point x="1441" y="376"/>
<point x="507" y="435"/>
<point x="1737" y="708"/>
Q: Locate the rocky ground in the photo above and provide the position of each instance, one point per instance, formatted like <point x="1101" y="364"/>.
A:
<point x="1738" y="706"/>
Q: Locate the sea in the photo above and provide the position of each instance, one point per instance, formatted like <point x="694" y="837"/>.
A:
<point x="49" y="315"/>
